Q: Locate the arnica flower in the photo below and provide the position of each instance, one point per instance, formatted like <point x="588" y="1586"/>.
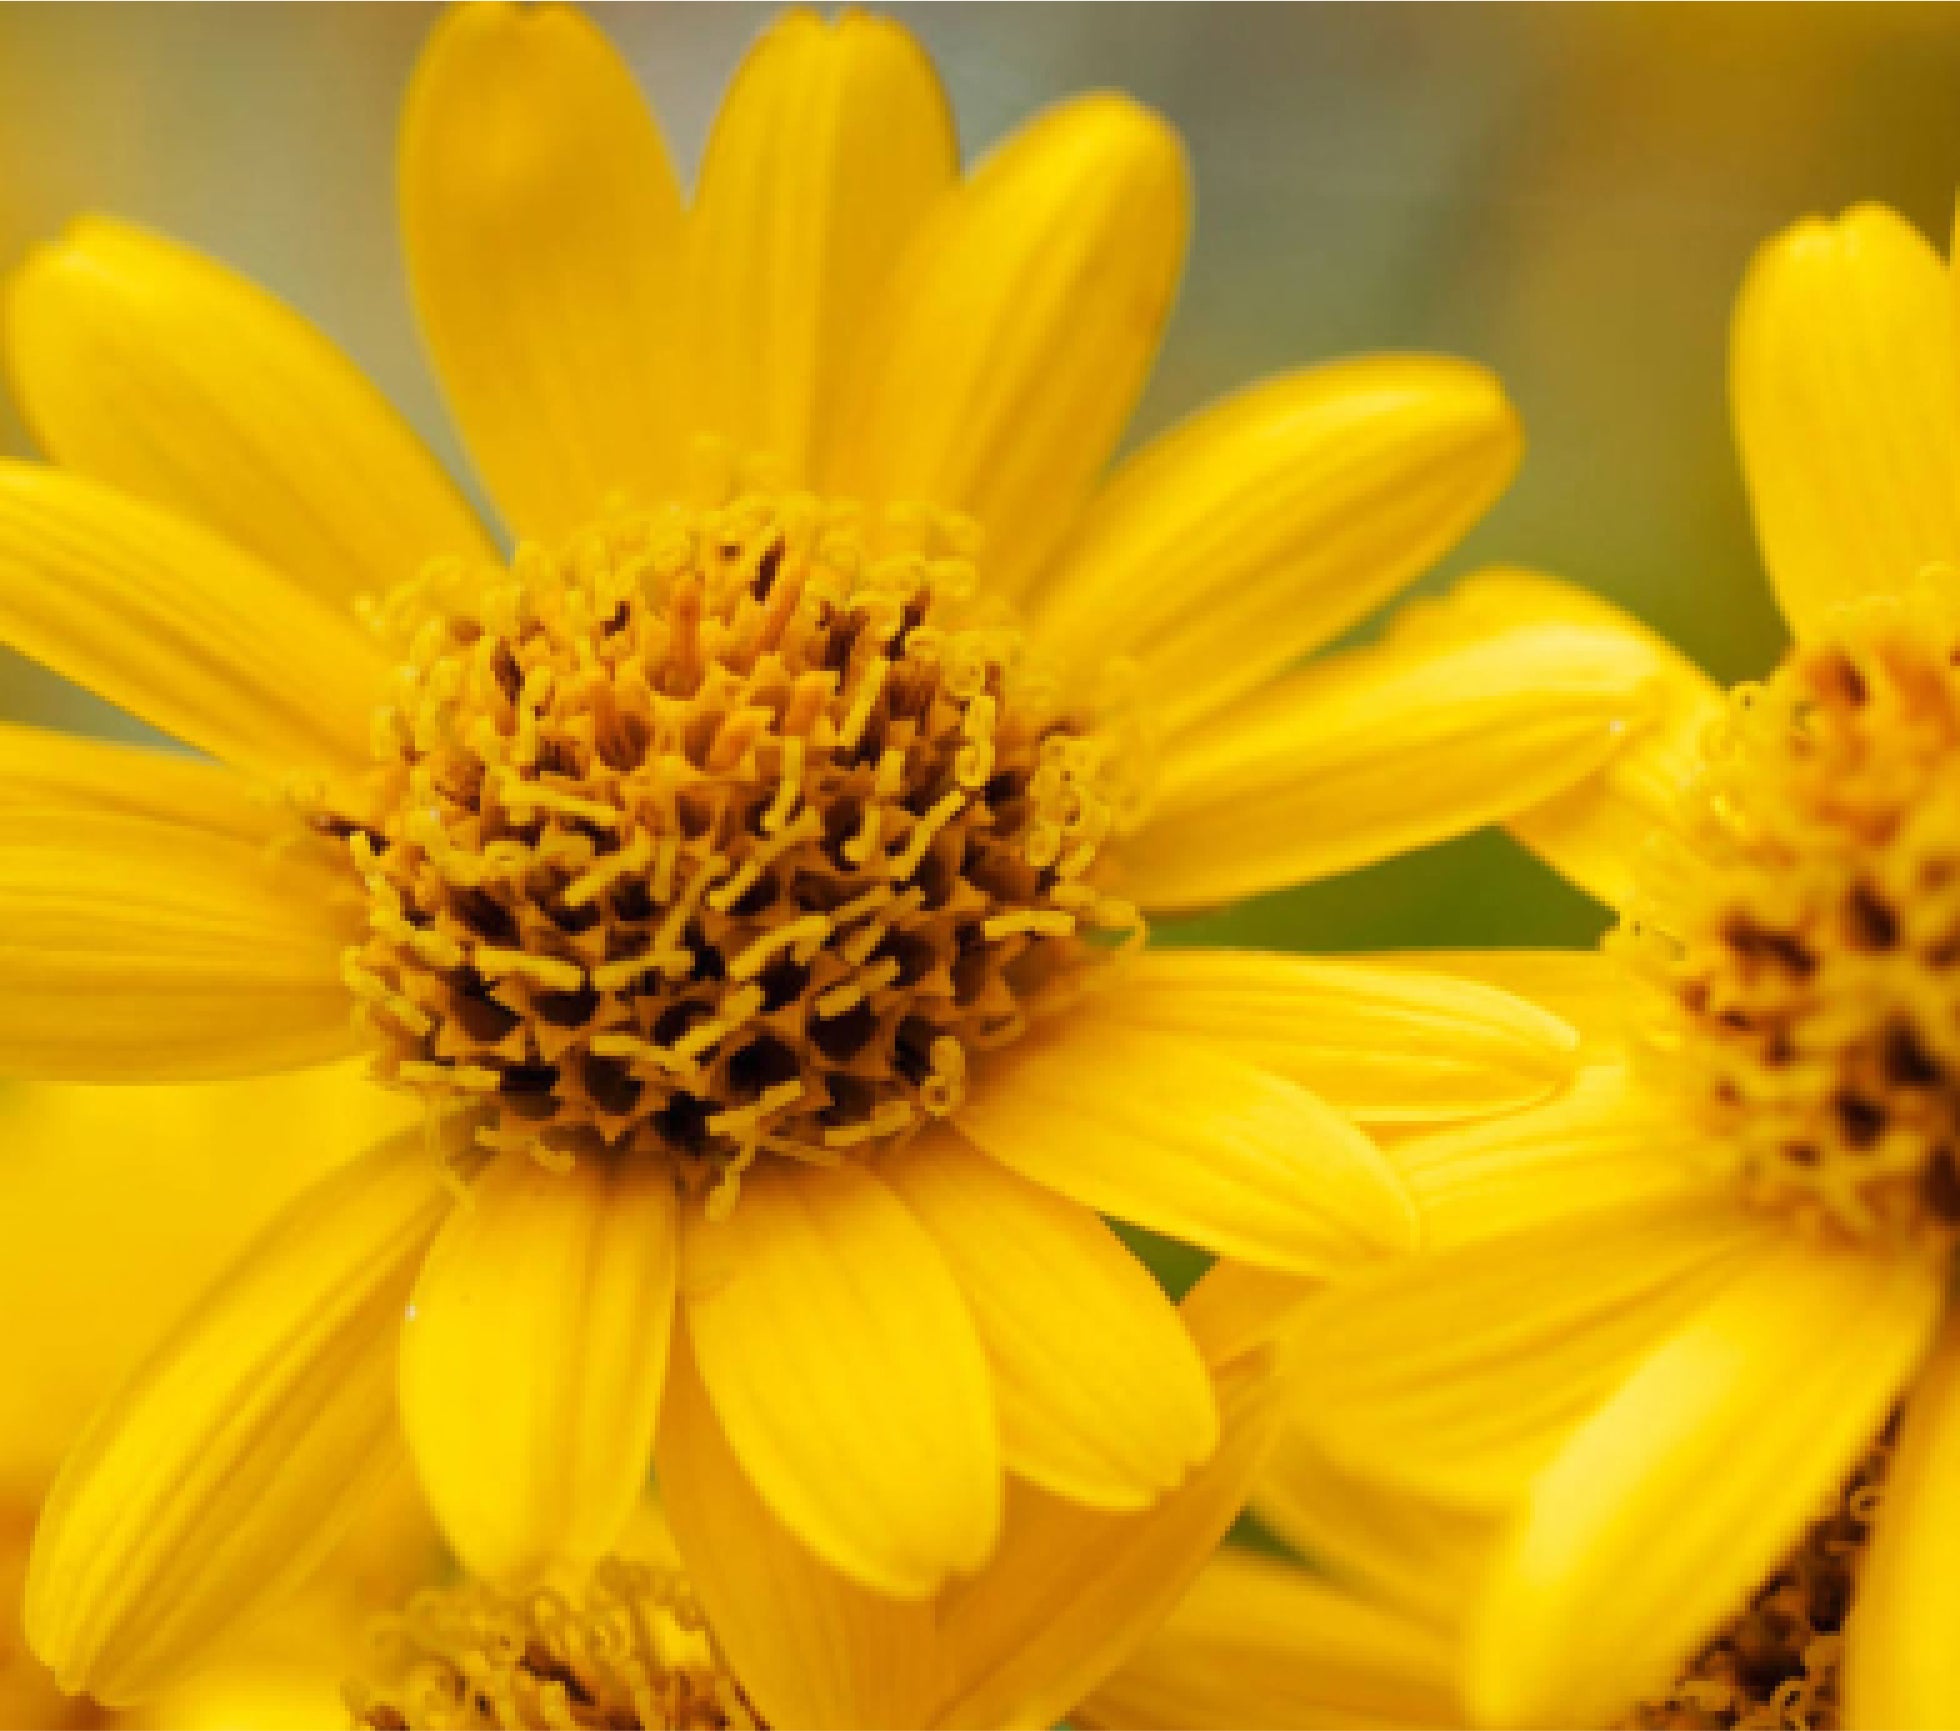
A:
<point x="738" y="868"/>
<point x="1677" y="1310"/>
<point x="121" y="1198"/>
<point x="768" y="1636"/>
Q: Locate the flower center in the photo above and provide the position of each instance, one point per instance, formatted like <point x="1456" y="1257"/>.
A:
<point x="722" y="830"/>
<point x="1806" y="935"/>
<point x="1777" y="1664"/>
<point x="631" y="1654"/>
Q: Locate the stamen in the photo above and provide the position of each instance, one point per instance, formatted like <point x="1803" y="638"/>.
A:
<point x="631" y="1653"/>
<point x="718" y="829"/>
<point x="1802" y="931"/>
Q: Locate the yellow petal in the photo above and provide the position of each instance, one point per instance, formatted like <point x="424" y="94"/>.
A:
<point x="1901" y="1665"/>
<point x="1460" y="1373"/>
<point x="542" y="224"/>
<point x="1596" y="833"/>
<point x="1586" y="990"/>
<point x="1381" y="1045"/>
<point x="238" y="1454"/>
<point x="1262" y="1642"/>
<point x="1073" y="1590"/>
<point x="1017" y="335"/>
<point x="533" y="1360"/>
<point x="1401" y="1548"/>
<point x="832" y="144"/>
<point x="1672" y="1504"/>
<point x="53" y="776"/>
<point x="1186" y="1139"/>
<point x="1234" y="1308"/>
<point x="1842" y="383"/>
<point x="847" y="1374"/>
<point x="812" y="1647"/>
<point x="1604" y="1142"/>
<point x="1381" y="750"/>
<point x="138" y="948"/>
<point x="1103" y="1398"/>
<point x="181" y="628"/>
<point x="1265" y="526"/>
<point x="148" y="366"/>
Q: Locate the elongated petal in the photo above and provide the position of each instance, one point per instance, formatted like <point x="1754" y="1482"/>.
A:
<point x="1073" y="1590"/>
<point x="1604" y="1142"/>
<point x="1017" y="335"/>
<point x="1387" y="1046"/>
<point x="150" y="367"/>
<point x="534" y="1357"/>
<point x="1459" y="1374"/>
<point x="138" y="948"/>
<point x="832" y="144"/>
<point x="1597" y="833"/>
<point x="1103" y="1398"/>
<point x="1901" y="1665"/>
<point x="1585" y="989"/>
<point x="1841" y="380"/>
<point x="1259" y="1642"/>
<point x="1672" y="1504"/>
<point x="847" y="1373"/>
<point x="54" y="776"/>
<point x="237" y="1455"/>
<point x="1265" y="526"/>
<point x="181" y="628"/>
<point x="1189" y="1140"/>
<point x="1377" y="1537"/>
<point x="542" y="224"/>
<point x="1379" y="751"/>
<point x="811" y="1646"/>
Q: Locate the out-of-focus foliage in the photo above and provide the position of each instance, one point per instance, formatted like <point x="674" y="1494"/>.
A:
<point x="1569" y="194"/>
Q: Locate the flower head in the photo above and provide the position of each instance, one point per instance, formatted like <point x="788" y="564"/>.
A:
<point x="744" y="866"/>
<point x="1676" y="1310"/>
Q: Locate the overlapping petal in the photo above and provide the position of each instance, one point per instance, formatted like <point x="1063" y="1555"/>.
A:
<point x="1381" y="750"/>
<point x="831" y="146"/>
<point x="1191" y="1141"/>
<point x="1672" y="1503"/>
<point x="847" y="1374"/>
<point x="1841" y="379"/>
<point x="237" y="1454"/>
<point x="543" y="228"/>
<point x="150" y="367"/>
<point x="534" y="1357"/>
<point x="1382" y="1045"/>
<point x="1102" y="1396"/>
<point x="1017" y="335"/>
<point x="1267" y="524"/>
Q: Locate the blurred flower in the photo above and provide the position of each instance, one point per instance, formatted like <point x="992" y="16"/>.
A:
<point x="765" y="1633"/>
<point x="120" y="1201"/>
<point x="1672" y="1311"/>
<point x="705" y="865"/>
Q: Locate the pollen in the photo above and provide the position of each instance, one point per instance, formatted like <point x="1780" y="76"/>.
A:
<point x="1803" y="932"/>
<point x="723" y="831"/>
<point x="1776" y="1666"/>
<point x="631" y="1653"/>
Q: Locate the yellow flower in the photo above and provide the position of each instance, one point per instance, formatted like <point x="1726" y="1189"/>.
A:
<point x="764" y="1633"/>
<point x="119" y="1201"/>
<point x="738" y="869"/>
<point x="1673" y="1310"/>
<point x="1371" y="1634"/>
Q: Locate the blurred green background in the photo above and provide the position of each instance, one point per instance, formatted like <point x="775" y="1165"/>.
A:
<point x="1566" y="193"/>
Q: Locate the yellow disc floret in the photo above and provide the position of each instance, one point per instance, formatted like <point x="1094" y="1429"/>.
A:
<point x="1806" y="928"/>
<point x="719" y="831"/>
<point x="628" y="1653"/>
